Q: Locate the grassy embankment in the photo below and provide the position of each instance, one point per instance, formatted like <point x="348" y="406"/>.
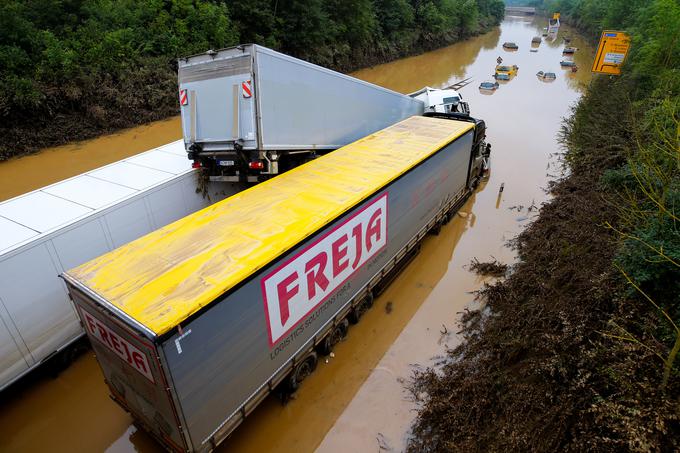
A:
<point x="73" y="69"/>
<point x="578" y="348"/>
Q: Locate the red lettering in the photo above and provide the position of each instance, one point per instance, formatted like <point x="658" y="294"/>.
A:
<point x="318" y="277"/>
<point x="140" y="361"/>
<point x="114" y="341"/>
<point x="356" y="232"/>
<point x="338" y="254"/>
<point x="104" y="335"/>
<point x="285" y="295"/>
<point x="127" y="352"/>
<point x="91" y="323"/>
<point x="373" y="230"/>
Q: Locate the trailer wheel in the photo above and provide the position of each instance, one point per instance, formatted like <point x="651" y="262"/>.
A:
<point x="302" y="371"/>
<point x="334" y="337"/>
<point x="358" y="311"/>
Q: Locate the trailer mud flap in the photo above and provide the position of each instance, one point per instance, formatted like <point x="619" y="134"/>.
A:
<point x="132" y="371"/>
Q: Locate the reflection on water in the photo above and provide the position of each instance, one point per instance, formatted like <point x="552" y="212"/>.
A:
<point x="359" y="393"/>
<point x="436" y="69"/>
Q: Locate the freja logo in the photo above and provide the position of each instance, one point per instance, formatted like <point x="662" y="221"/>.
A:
<point x="297" y="287"/>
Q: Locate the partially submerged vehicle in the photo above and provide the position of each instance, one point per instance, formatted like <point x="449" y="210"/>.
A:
<point x="490" y="86"/>
<point x="510" y="46"/>
<point x="507" y="69"/>
<point x="250" y="113"/>
<point x="546" y="76"/>
<point x="567" y="64"/>
<point x="569" y="50"/>
<point x="195" y="324"/>
<point x="441" y="100"/>
<point x="502" y="77"/>
<point x="536" y="40"/>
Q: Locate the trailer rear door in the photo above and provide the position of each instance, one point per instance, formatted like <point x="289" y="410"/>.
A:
<point x="217" y="99"/>
<point x="132" y="370"/>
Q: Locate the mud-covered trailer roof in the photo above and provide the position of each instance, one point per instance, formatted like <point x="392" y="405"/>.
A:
<point x="161" y="279"/>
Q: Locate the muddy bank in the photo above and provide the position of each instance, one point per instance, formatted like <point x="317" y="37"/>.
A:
<point x="544" y="367"/>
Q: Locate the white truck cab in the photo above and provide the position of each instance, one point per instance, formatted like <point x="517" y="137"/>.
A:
<point x="441" y="100"/>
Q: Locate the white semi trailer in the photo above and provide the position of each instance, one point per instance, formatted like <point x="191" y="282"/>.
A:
<point x="44" y="232"/>
<point x="249" y="112"/>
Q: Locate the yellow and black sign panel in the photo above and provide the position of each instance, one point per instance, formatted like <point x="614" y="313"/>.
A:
<point x="611" y="52"/>
<point x="556" y="16"/>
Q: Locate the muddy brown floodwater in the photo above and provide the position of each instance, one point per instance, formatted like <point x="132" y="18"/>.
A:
<point x="357" y="401"/>
<point x="23" y="174"/>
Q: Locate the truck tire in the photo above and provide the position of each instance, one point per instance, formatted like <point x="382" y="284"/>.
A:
<point x="302" y="370"/>
<point x="358" y="311"/>
<point x="334" y="337"/>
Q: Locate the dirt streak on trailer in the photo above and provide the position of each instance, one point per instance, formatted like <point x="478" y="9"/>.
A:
<point x="229" y="302"/>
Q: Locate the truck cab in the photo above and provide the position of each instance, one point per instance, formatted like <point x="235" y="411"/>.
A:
<point x="441" y="100"/>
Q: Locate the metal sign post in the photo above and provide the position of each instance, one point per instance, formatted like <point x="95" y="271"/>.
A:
<point x="611" y="52"/>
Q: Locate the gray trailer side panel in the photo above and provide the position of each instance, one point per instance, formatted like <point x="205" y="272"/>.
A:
<point x="12" y="361"/>
<point x="224" y="355"/>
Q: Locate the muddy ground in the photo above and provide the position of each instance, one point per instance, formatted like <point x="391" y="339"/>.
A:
<point x="540" y="370"/>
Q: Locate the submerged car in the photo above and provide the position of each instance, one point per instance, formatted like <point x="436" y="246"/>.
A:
<point x="505" y="69"/>
<point x="502" y="76"/>
<point x="567" y="63"/>
<point x="546" y="75"/>
<point x="510" y="46"/>
<point x="488" y="86"/>
<point x="569" y="50"/>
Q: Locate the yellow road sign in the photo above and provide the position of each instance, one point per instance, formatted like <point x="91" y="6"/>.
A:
<point x="611" y="52"/>
<point x="556" y="16"/>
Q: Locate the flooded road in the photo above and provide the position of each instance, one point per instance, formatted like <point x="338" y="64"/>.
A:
<point x="27" y="173"/>
<point x="357" y="400"/>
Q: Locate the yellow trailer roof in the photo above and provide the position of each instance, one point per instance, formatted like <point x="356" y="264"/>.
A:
<point x="161" y="279"/>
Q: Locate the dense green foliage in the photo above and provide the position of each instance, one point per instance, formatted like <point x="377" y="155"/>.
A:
<point x="88" y="65"/>
<point x="647" y="187"/>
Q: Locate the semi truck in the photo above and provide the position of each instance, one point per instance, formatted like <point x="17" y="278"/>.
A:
<point x="249" y="112"/>
<point x="50" y="230"/>
<point x="193" y="325"/>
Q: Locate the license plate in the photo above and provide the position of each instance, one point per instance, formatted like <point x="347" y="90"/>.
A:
<point x="225" y="163"/>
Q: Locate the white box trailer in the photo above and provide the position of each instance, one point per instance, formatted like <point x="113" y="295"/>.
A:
<point x="196" y="323"/>
<point x="44" y="232"/>
<point x="249" y="110"/>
